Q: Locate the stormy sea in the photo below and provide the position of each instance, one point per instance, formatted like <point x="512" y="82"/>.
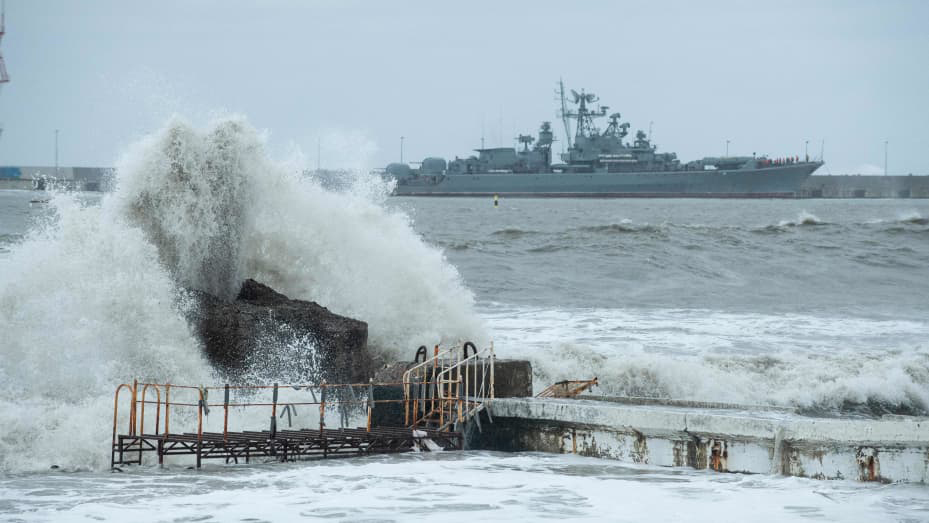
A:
<point x="817" y="305"/>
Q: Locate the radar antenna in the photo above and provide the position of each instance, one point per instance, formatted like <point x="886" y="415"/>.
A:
<point x="615" y="128"/>
<point x="585" y="117"/>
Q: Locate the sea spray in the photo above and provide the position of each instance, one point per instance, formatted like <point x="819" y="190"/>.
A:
<point x="96" y="296"/>
<point x="199" y="193"/>
<point x="84" y="305"/>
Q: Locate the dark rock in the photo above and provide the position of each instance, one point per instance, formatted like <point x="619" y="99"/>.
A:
<point x="264" y="334"/>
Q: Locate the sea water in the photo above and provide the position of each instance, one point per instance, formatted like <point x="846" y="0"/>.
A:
<point x="814" y="304"/>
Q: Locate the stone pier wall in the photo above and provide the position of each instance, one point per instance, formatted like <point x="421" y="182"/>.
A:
<point x="892" y="449"/>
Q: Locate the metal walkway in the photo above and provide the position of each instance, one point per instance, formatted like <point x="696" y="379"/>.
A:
<point x="286" y="445"/>
<point x="440" y="394"/>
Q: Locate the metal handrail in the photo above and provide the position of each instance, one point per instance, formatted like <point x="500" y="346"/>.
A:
<point x="474" y="399"/>
<point x="447" y="388"/>
<point x="423" y="368"/>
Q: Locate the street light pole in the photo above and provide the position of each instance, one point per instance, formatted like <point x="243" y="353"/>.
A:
<point x="885" y="157"/>
<point x="806" y="150"/>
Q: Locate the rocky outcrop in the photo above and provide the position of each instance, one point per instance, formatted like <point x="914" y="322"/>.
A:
<point x="264" y="334"/>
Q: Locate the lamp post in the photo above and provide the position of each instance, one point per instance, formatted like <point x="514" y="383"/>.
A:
<point x="401" y="149"/>
<point x="885" y="157"/>
<point x="727" y="148"/>
<point x="806" y="150"/>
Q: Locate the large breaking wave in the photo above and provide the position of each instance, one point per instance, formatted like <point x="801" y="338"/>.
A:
<point x="95" y="296"/>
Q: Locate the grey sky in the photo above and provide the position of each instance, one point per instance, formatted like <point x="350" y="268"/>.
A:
<point x="765" y="75"/>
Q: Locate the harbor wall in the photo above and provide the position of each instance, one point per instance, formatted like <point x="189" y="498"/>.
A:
<point x="734" y="439"/>
<point x="44" y="177"/>
<point x="861" y="186"/>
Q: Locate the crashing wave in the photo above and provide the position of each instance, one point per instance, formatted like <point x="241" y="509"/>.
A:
<point x="95" y="296"/>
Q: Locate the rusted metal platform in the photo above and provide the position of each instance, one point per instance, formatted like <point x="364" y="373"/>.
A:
<point x="285" y="445"/>
<point x="441" y="394"/>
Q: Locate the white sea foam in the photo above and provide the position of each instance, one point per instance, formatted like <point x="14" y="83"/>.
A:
<point x="452" y="487"/>
<point x="790" y="360"/>
<point x="912" y="217"/>
<point x="804" y="218"/>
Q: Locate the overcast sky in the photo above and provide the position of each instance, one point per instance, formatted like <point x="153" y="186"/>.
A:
<point x="767" y="75"/>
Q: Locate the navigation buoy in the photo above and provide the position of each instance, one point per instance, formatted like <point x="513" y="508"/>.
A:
<point x="496" y="200"/>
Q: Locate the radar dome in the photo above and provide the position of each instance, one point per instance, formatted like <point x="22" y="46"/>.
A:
<point x="433" y="166"/>
<point x="399" y="170"/>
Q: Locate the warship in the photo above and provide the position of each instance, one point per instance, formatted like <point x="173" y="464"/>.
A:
<point x="599" y="164"/>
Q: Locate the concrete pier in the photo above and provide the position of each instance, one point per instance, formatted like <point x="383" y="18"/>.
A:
<point x="724" y="438"/>
<point x="860" y="186"/>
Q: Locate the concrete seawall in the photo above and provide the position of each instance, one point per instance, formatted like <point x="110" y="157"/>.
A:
<point x="858" y="186"/>
<point x="733" y="439"/>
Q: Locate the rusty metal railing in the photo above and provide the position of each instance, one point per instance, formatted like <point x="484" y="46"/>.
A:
<point x="450" y="387"/>
<point x="194" y="404"/>
<point x="443" y="390"/>
<point x="567" y="388"/>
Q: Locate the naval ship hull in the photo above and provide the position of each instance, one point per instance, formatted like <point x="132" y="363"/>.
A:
<point x="783" y="181"/>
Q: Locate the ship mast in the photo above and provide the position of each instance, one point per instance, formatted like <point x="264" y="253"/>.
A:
<point x="585" y="117"/>
<point x="564" y="112"/>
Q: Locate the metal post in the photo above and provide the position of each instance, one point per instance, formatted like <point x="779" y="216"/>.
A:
<point x="806" y="149"/>
<point x="132" y="411"/>
<point x="167" y="406"/>
<point x="322" y="407"/>
<point x="226" y="414"/>
<point x="202" y="405"/>
<point x="458" y="391"/>
<point x="401" y="149"/>
<point x="370" y="401"/>
<point x="322" y="418"/>
<point x="406" y="402"/>
<point x="274" y="413"/>
<point x="885" y="157"/>
<point x="493" y="362"/>
<point x="467" y="387"/>
<point x="200" y="427"/>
